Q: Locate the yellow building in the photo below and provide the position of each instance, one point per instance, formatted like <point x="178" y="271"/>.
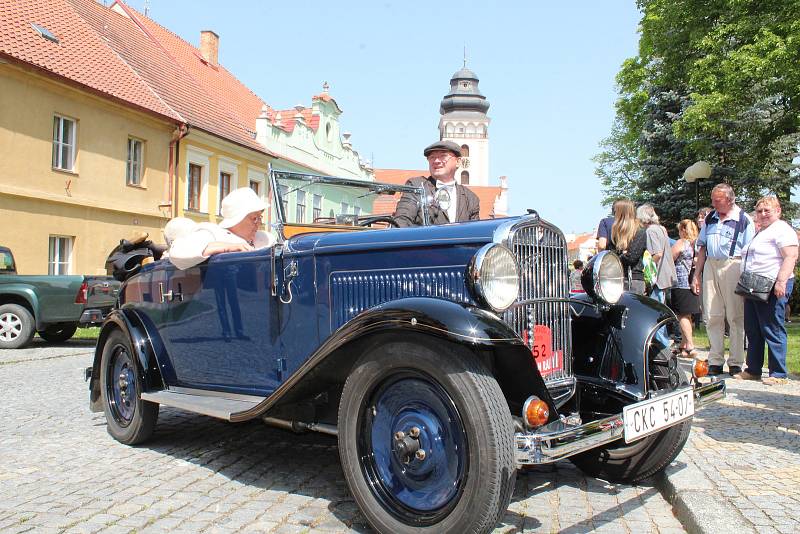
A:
<point x="110" y="123"/>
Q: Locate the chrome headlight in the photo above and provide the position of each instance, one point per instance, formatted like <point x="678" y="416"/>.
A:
<point x="603" y="278"/>
<point x="494" y="276"/>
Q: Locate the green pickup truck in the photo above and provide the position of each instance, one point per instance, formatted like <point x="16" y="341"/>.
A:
<point x="52" y="306"/>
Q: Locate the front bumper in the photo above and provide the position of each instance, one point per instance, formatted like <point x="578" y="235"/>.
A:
<point x="558" y="440"/>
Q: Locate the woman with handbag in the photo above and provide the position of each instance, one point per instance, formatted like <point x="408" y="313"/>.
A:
<point x="684" y="302"/>
<point x="766" y="284"/>
<point x="629" y="241"/>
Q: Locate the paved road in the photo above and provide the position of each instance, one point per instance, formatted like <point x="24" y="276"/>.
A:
<point x="60" y="471"/>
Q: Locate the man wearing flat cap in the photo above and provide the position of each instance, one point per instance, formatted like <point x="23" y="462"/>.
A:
<point x="448" y="201"/>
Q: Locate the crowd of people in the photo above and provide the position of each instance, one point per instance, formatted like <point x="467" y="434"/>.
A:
<point x="701" y="269"/>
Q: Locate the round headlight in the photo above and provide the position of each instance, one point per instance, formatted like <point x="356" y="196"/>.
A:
<point x="604" y="277"/>
<point x="494" y="276"/>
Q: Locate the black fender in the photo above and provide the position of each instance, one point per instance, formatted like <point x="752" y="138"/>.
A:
<point x="611" y="345"/>
<point x="512" y="365"/>
<point x="132" y="325"/>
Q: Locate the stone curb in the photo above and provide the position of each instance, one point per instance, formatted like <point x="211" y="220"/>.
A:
<point x="696" y="502"/>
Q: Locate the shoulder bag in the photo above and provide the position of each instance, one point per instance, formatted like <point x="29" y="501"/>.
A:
<point x="754" y="286"/>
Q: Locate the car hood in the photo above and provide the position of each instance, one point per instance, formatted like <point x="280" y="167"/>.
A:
<point x="461" y="233"/>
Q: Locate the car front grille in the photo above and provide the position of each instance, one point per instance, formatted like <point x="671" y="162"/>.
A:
<point x="542" y="309"/>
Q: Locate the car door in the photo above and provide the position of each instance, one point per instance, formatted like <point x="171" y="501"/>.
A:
<point x="220" y="330"/>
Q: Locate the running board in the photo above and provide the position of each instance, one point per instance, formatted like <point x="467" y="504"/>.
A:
<point x="212" y="403"/>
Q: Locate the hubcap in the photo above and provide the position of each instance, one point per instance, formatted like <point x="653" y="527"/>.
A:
<point x="121" y="386"/>
<point x="10" y="327"/>
<point x="413" y="448"/>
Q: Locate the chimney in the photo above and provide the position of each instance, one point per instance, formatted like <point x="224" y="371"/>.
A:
<point x="209" y="46"/>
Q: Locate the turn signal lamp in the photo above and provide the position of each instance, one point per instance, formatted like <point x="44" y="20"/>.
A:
<point x="535" y="412"/>
<point x="700" y="368"/>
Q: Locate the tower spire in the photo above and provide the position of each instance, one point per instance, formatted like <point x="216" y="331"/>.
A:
<point x="465" y="56"/>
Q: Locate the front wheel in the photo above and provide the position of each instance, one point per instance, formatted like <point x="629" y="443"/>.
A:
<point x="426" y="440"/>
<point x="58" y="333"/>
<point x="16" y="326"/>
<point x="628" y="463"/>
<point x="130" y="420"/>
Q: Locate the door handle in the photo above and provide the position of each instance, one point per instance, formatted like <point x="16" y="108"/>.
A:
<point x="170" y="295"/>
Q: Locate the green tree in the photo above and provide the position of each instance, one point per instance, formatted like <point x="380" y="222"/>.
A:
<point x="714" y="79"/>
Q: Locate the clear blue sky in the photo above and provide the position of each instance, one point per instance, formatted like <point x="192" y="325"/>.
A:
<point x="546" y="68"/>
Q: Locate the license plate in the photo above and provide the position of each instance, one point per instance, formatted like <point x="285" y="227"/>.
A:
<point x="646" y="417"/>
<point x="542" y="350"/>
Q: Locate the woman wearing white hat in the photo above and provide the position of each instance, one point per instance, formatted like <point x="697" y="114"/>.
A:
<point x="238" y="231"/>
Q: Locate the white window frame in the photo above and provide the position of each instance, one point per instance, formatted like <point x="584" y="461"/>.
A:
<point x="284" y="195"/>
<point x="259" y="176"/>
<point x="200" y="158"/>
<point x="58" y="143"/>
<point x="300" y="207"/>
<point x="316" y="206"/>
<point x="228" y="166"/>
<point x="134" y="171"/>
<point x="56" y="264"/>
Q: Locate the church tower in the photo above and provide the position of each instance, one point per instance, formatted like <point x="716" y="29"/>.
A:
<point x="464" y="122"/>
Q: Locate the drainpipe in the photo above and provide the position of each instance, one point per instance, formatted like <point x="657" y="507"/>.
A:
<point x="174" y="146"/>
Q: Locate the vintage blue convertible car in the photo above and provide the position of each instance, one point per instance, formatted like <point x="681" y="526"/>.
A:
<point x="442" y="357"/>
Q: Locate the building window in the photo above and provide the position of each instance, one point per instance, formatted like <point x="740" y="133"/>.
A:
<point x="283" y="192"/>
<point x="464" y="178"/>
<point x="256" y="187"/>
<point x="224" y="187"/>
<point x="345" y="208"/>
<point x="464" y="151"/>
<point x="357" y="210"/>
<point x="60" y="257"/>
<point x="317" y="206"/>
<point x="194" y="180"/>
<point x="133" y="170"/>
<point x="63" y="143"/>
<point x="301" y="207"/>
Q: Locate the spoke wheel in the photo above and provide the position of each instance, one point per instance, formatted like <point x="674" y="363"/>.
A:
<point x="129" y="419"/>
<point x="426" y="439"/>
<point x="16" y="326"/>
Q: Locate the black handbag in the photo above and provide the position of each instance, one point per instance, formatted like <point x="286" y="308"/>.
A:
<point x="754" y="286"/>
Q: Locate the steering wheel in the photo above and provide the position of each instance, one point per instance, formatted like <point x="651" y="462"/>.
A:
<point x="388" y="219"/>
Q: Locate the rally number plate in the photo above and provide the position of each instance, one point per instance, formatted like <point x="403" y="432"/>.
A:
<point x="647" y="417"/>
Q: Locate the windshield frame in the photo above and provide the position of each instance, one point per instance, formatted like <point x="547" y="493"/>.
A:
<point x="280" y="219"/>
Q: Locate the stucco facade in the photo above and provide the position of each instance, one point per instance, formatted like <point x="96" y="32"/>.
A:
<point x="91" y="204"/>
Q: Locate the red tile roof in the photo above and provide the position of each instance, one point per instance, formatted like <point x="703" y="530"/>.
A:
<point x="82" y="56"/>
<point x="486" y="194"/>
<point x="131" y="59"/>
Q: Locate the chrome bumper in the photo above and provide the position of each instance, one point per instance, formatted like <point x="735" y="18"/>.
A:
<point x="558" y="440"/>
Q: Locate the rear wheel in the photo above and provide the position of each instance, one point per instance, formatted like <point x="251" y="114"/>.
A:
<point x="16" y="326"/>
<point x="130" y="420"/>
<point x="58" y="333"/>
<point x="621" y="462"/>
<point x="426" y="440"/>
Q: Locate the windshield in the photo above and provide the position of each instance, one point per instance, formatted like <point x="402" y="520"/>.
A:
<point x="6" y="262"/>
<point x="322" y="200"/>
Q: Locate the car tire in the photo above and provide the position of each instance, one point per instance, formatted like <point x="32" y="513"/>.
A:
<point x="129" y="419"/>
<point x="16" y="326"/>
<point x="58" y="333"/>
<point x="628" y="463"/>
<point x="448" y="398"/>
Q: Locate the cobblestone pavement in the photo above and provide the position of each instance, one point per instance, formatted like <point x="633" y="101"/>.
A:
<point x="60" y="471"/>
<point x="742" y="459"/>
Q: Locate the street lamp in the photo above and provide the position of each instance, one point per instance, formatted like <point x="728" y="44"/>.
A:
<point x="699" y="170"/>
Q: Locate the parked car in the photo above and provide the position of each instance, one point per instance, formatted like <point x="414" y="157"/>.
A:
<point x="443" y="358"/>
<point x="54" y="306"/>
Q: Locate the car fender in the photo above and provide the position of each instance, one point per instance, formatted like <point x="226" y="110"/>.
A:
<point x="131" y="324"/>
<point x="22" y="294"/>
<point x="610" y="346"/>
<point x="513" y="366"/>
